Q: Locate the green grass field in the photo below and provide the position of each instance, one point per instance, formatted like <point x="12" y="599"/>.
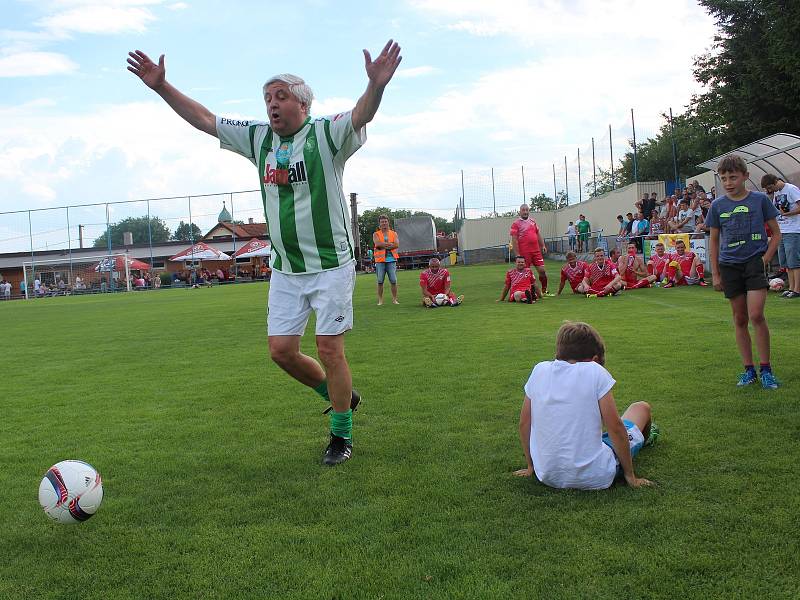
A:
<point x="210" y="455"/>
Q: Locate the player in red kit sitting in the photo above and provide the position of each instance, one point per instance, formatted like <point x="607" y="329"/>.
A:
<point x="434" y="281"/>
<point x="527" y="242"/>
<point x="521" y="283"/>
<point x="632" y="270"/>
<point x="573" y="271"/>
<point x="602" y="277"/>
<point x="657" y="265"/>
<point x="685" y="268"/>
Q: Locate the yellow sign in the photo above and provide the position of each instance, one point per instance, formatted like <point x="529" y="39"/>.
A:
<point x="669" y="240"/>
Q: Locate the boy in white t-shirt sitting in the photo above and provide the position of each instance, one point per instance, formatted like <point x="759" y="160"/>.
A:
<point x="567" y="402"/>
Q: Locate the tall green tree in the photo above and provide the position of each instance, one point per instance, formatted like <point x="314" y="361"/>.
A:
<point x="751" y="88"/>
<point x="752" y="69"/>
<point x="138" y="227"/>
<point x="187" y="232"/>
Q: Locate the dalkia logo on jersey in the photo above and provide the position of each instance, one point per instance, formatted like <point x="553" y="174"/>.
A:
<point x="296" y="173"/>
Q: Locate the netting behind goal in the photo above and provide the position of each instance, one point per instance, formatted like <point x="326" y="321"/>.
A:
<point x="77" y="275"/>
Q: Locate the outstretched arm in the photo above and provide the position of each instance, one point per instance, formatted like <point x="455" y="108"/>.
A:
<point x="525" y="421"/>
<point x="379" y="73"/>
<point x="154" y="76"/>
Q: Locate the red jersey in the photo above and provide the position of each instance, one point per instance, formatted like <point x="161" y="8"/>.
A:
<point x="519" y="281"/>
<point x="436" y="282"/>
<point x="685" y="261"/>
<point x="527" y="233"/>
<point x="630" y="275"/>
<point x="659" y="263"/>
<point x="601" y="275"/>
<point x="574" y="274"/>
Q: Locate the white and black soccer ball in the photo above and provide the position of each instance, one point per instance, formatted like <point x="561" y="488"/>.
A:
<point x="776" y="284"/>
<point x="71" y="491"/>
<point x="441" y="299"/>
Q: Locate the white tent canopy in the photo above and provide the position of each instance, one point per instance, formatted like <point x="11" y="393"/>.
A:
<point x="254" y="247"/>
<point x="200" y="251"/>
<point x="778" y="154"/>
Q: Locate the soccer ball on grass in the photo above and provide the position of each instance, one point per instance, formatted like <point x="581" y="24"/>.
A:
<point x="71" y="491"/>
<point x="776" y="284"/>
<point x="441" y="299"/>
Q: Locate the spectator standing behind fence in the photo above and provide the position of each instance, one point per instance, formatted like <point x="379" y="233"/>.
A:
<point x="786" y="198"/>
<point x="584" y="228"/>
<point x="622" y="234"/>
<point x="22" y="288"/>
<point x="571" y="235"/>
<point x="385" y="256"/>
<point x="527" y="241"/>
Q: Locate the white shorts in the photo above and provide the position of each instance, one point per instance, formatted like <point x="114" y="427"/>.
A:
<point x="328" y="293"/>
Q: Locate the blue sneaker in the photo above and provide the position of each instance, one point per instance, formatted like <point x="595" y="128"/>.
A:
<point x="768" y="381"/>
<point x="746" y="378"/>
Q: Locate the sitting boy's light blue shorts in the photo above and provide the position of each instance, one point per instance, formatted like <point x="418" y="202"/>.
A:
<point x="635" y="440"/>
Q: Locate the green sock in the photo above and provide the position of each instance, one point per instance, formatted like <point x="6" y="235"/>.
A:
<point x="322" y="390"/>
<point x="342" y="424"/>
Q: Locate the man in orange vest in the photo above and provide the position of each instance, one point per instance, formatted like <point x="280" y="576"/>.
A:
<point x="385" y="257"/>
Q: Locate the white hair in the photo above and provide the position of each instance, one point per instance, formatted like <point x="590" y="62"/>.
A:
<point x="297" y="86"/>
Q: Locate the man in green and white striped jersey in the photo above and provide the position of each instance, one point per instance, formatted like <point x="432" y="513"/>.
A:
<point x="300" y="162"/>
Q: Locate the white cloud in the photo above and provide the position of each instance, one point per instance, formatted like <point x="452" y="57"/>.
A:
<point x="416" y="72"/>
<point x="178" y="6"/>
<point x="95" y="18"/>
<point x="34" y="64"/>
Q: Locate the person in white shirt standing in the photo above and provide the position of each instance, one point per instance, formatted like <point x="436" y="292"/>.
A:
<point x="567" y="402"/>
<point x="786" y="198"/>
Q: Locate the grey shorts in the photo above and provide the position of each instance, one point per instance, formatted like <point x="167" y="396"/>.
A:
<point x="789" y="250"/>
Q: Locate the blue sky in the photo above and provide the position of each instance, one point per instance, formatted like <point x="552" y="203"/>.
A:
<point x="482" y="85"/>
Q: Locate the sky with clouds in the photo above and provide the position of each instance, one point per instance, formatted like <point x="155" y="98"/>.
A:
<point x="514" y="86"/>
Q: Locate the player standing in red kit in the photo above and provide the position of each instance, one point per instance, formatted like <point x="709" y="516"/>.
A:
<point x="526" y="241"/>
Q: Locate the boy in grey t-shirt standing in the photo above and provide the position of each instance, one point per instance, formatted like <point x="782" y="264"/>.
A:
<point x="739" y="258"/>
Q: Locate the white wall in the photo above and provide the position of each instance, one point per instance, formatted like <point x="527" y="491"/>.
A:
<point x="601" y="212"/>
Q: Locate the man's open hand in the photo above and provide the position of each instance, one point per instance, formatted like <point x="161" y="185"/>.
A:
<point x="381" y="70"/>
<point x="152" y="74"/>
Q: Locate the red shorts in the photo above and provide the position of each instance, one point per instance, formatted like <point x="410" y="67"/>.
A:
<point x="514" y="291"/>
<point x="533" y="258"/>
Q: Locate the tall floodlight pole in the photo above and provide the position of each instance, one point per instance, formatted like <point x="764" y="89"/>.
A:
<point x="555" y="193"/>
<point x="611" y="145"/>
<point x="594" y="170"/>
<point x="150" y="237"/>
<point x="69" y="246"/>
<point x="635" y="164"/>
<point x="524" y="197"/>
<point x="580" y="184"/>
<point x="233" y="237"/>
<point x="674" y="149"/>
<point x="566" y="181"/>
<point x="494" y="199"/>
<point x="462" y="186"/>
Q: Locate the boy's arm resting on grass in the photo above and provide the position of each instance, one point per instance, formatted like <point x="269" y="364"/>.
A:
<point x="774" y="240"/>
<point x="525" y="437"/>
<point x="619" y="440"/>
<point x="713" y="253"/>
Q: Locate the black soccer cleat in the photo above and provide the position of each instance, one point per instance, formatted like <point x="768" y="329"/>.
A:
<point x="355" y="399"/>
<point x="338" y="451"/>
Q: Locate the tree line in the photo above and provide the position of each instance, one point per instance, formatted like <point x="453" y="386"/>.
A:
<point x="752" y="84"/>
<point x="158" y="232"/>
